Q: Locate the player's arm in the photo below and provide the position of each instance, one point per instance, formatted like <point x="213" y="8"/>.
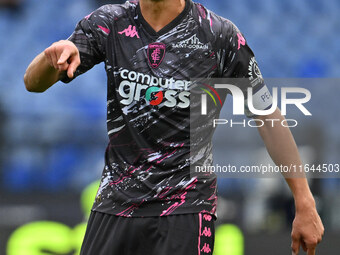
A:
<point x="307" y="226"/>
<point x="57" y="61"/>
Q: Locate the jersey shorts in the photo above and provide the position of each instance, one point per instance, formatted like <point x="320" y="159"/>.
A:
<point x="182" y="234"/>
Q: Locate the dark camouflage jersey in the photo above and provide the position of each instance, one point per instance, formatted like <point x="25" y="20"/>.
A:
<point x="147" y="161"/>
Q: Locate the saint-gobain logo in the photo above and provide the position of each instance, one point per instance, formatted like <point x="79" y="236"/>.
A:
<point x="261" y="98"/>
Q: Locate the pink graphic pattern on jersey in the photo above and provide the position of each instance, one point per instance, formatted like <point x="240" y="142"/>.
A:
<point x="127" y="212"/>
<point x="182" y="196"/>
<point x="202" y="10"/>
<point x="88" y="16"/>
<point x="104" y="29"/>
<point x="241" y="40"/>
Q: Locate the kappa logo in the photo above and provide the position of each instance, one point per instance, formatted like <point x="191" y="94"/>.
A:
<point x="207" y="217"/>
<point x="131" y="31"/>
<point x="206" y="232"/>
<point x="156" y="53"/>
<point x="192" y="43"/>
<point x="206" y="248"/>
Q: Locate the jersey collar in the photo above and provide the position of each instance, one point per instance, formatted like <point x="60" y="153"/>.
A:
<point x="167" y="28"/>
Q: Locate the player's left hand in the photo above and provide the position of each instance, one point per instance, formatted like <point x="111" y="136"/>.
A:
<point x="307" y="229"/>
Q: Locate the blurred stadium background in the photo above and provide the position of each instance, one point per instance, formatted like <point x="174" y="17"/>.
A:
<point x="52" y="144"/>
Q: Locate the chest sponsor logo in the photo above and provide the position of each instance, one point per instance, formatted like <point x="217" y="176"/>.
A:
<point x="192" y="43"/>
<point x="131" y="31"/>
<point x="156" y="53"/>
<point x="154" y="90"/>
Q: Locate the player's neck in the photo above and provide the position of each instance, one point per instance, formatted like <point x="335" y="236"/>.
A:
<point x="159" y="13"/>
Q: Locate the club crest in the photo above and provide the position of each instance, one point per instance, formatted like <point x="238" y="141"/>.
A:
<point x="156" y="53"/>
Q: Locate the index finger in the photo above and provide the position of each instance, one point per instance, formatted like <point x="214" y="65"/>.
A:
<point x="75" y="62"/>
<point x="63" y="57"/>
<point x="311" y="251"/>
<point x="295" y="245"/>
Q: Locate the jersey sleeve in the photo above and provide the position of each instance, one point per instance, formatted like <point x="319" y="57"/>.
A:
<point x="89" y="36"/>
<point x="240" y="63"/>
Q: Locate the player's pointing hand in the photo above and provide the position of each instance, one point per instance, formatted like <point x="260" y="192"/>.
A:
<point x="63" y="56"/>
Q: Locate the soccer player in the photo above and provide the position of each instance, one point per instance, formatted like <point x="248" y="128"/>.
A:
<point x="147" y="202"/>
